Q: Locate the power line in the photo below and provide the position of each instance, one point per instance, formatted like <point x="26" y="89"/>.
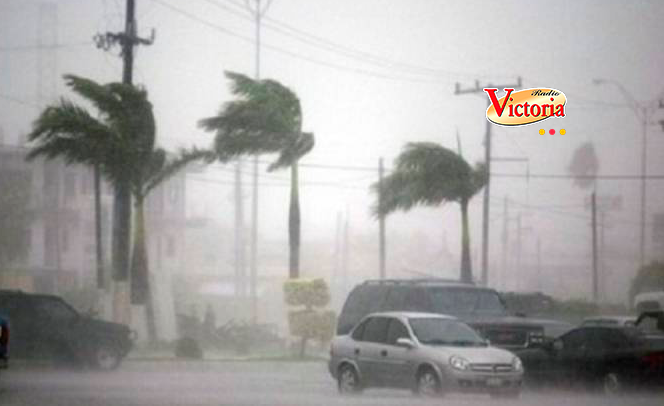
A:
<point x="294" y="54"/>
<point x="39" y="47"/>
<point x="348" y="52"/>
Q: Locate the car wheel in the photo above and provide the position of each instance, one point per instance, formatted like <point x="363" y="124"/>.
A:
<point x="106" y="358"/>
<point x="427" y="383"/>
<point x="348" y="380"/>
<point x="612" y="384"/>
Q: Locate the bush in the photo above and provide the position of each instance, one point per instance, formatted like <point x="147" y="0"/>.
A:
<point x="309" y="323"/>
<point x="187" y="347"/>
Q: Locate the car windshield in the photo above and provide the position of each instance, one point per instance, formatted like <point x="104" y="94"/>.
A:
<point x="437" y="331"/>
<point x="456" y="301"/>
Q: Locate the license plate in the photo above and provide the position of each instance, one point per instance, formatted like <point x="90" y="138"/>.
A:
<point x="494" y="382"/>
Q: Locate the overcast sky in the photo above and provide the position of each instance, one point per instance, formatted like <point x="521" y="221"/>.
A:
<point x="397" y="87"/>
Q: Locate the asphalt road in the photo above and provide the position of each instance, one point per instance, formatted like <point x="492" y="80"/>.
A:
<point x="165" y="383"/>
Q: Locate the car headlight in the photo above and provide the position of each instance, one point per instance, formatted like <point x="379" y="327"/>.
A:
<point x="459" y="363"/>
<point x="516" y="364"/>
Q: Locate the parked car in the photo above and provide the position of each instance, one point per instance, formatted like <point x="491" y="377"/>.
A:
<point x="610" y="358"/>
<point x="482" y="308"/>
<point x="427" y="353"/>
<point x="616" y="321"/>
<point x="4" y="343"/>
<point x="45" y="326"/>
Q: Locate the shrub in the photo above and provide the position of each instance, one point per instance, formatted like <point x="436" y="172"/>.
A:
<point x="311" y="322"/>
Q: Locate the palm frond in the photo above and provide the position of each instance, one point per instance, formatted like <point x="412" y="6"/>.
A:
<point x="292" y="150"/>
<point x="101" y="96"/>
<point x="162" y="168"/>
<point x="427" y="174"/>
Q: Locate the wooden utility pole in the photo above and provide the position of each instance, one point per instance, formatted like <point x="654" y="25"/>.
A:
<point x="505" y="243"/>
<point x="479" y="90"/>
<point x="122" y="195"/>
<point x="381" y="221"/>
<point x="595" y="284"/>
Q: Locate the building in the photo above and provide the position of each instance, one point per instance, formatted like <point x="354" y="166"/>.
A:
<point x="61" y="232"/>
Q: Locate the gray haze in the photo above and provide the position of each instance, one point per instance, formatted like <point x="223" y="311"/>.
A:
<point x="360" y="111"/>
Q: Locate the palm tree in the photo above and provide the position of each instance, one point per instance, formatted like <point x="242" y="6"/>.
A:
<point x="70" y="131"/>
<point x="121" y="142"/>
<point x="429" y="174"/>
<point x="265" y="117"/>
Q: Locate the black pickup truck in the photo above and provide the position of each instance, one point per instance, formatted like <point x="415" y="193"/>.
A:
<point x="46" y="327"/>
<point x="482" y="308"/>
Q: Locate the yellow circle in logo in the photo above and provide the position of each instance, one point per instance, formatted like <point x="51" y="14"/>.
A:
<point x="562" y="131"/>
<point x="541" y="131"/>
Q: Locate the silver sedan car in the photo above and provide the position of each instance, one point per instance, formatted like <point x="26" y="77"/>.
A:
<point x="428" y="353"/>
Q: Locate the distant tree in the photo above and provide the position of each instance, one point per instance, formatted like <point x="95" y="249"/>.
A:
<point x="584" y="166"/>
<point x="265" y="117"/>
<point x="15" y="217"/>
<point x="428" y="174"/>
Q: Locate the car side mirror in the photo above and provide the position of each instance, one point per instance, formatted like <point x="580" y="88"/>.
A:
<point x="405" y="343"/>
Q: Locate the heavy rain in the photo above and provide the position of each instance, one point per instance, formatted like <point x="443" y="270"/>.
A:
<point x="290" y="202"/>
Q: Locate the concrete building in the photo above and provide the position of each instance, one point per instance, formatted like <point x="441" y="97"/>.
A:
<point x="61" y="233"/>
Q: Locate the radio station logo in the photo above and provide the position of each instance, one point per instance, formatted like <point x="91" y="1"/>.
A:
<point x="526" y="106"/>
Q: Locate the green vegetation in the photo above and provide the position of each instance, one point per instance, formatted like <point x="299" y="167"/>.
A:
<point x="429" y="174"/>
<point x="309" y="323"/>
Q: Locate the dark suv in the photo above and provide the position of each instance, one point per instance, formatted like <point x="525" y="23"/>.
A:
<point x="4" y="343"/>
<point x="45" y="326"/>
<point x="482" y="308"/>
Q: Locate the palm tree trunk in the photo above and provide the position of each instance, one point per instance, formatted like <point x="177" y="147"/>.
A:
<point x="466" y="266"/>
<point x="140" y="275"/>
<point x="120" y="248"/>
<point x="294" y="225"/>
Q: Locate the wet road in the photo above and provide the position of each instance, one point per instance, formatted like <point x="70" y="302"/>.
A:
<point x="166" y="383"/>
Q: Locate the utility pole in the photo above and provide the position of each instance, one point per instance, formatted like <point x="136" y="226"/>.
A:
<point x="257" y="11"/>
<point x="519" y="231"/>
<point x="122" y="196"/>
<point x="539" y="265"/>
<point x="381" y="221"/>
<point x="479" y="90"/>
<point x="345" y="253"/>
<point x="595" y="285"/>
<point x="505" y="238"/>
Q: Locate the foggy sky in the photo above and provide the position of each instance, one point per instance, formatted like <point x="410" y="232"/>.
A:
<point x="364" y="111"/>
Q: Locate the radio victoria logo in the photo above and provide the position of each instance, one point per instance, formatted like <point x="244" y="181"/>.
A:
<point x="525" y="107"/>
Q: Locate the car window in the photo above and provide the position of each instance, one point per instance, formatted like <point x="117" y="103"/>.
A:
<point x="459" y="301"/>
<point x="397" y="298"/>
<point x="376" y="330"/>
<point x="576" y="340"/>
<point x="55" y="310"/>
<point x="395" y="331"/>
<point x="359" y="330"/>
<point x="439" y="331"/>
<point x="366" y="299"/>
<point x="607" y="339"/>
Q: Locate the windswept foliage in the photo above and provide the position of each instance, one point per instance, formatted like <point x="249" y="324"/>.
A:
<point x="264" y="118"/>
<point x="428" y="174"/>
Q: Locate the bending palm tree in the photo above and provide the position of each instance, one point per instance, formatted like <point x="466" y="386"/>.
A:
<point x="429" y="174"/>
<point x="122" y="143"/>
<point x="68" y="130"/>
<point x="265" y="118"/>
